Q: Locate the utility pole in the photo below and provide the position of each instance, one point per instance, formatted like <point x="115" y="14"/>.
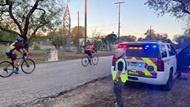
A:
<point x="85" y="33"/>
<point x="119" y="20"/>
<point x="150" y="34"/>
<point x="78" y="34"/>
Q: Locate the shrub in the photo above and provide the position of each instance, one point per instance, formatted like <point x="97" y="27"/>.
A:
<point x="36" y="47"/>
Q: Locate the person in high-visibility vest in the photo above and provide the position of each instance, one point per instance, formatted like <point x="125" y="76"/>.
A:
<point x="119" y="76"/>
<point x="89" y="50"/>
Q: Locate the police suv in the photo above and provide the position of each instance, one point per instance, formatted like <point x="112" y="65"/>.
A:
<point x="151" y="62"/>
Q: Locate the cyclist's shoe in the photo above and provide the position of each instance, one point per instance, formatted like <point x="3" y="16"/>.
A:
<point x="90" y="62"/>
<point x="15" y="71"/>
<point x="116" y="105"/>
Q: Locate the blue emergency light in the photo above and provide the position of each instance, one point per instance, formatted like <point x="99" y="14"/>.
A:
<point x="154" y="46"/>
<point x="150" y="46"/>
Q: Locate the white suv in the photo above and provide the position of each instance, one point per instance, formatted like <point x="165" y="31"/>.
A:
<point x="151" y="62"/>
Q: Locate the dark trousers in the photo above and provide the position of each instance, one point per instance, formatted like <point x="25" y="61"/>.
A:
<point x="88" y="52"/>
<point x="118" y="87"/>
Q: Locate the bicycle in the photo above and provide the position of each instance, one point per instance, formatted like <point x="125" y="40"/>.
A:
<point x="86" y="60"/>
<point x="27" y="66"/>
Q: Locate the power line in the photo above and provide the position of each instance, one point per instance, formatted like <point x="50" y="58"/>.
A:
<point x="126" y="28"/>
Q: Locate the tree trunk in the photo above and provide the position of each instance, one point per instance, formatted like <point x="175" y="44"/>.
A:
<point x="26" y="45"/>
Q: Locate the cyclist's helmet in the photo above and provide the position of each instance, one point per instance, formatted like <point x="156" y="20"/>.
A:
<point x="20" y="39"/>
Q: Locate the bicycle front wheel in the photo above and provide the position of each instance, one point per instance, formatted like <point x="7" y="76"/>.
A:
<point x="85" y="61"/>
<point x="6" y="69"/>
<point x="95" y="59"/>
<point x="28" y="66"/>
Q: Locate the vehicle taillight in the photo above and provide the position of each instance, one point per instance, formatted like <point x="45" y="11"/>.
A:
<point x="160" y="65"/>
<point x="122" y="46"/>
<point x="113" y="61"/>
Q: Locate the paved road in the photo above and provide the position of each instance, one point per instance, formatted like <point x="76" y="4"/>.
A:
<point x="49" y="79"/>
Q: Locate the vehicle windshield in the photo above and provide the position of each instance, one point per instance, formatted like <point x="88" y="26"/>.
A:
<point x="143" y="50"/>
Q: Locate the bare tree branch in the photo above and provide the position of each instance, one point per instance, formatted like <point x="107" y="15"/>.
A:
<point x="34" y="32"/>
<point x="11" y="15"/>
<point x="29" y="15"/>
<point x="184" y="6"/>
<point x="10" y="31"/>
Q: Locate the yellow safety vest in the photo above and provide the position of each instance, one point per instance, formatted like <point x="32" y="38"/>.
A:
<point x="124" y="75"/>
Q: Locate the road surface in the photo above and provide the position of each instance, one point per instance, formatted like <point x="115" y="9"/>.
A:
<point x="49" y="79"/>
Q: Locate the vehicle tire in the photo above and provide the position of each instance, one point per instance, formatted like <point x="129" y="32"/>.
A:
<point x="169" y="84"/>
<point x="28" y="66"/>
<point x="6" y="69"/>
<point x="95" y="60"/>
<point x="85" y="61"/>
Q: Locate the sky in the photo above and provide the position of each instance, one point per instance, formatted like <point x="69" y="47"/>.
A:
<point x="135" y="18"/>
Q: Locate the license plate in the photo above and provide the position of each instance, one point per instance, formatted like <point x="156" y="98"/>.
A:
<point x="133" y="64"/>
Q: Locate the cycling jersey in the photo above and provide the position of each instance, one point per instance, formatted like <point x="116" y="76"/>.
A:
<point x="90" y="47"/>
<point x="14" y="48"/>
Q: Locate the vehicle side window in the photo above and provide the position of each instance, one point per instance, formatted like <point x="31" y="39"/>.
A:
<point x="163" y="51"/>
<point x="171" y="50"/>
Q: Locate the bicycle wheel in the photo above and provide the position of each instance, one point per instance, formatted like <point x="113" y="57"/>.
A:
<point x="28" y="66"/>
<point x="95" y="59"/>
<point x="85" y="61"/>
<point x="6" y="69"/>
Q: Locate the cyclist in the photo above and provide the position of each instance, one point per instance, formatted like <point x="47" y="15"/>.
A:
<point x="12" y="52"/>
<point x="89" y="50"/>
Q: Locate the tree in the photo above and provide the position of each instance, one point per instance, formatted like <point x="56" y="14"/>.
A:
<point x="150" y="34"/>
<point x="7" y="37"/>
<point x="96" y="34"/>
<point x="58" y="38"/>
<point x="140" y="39"/>
<point x="110" y="39"/>
<point x="26" y="15"/>
<point x="182" y="40"/>
<point x="74" y="32"/>
<point x="187" y="29"/>
<point x="129" y="38"/>
<point x="59" y="41"/>
<point x="177" y="8"/>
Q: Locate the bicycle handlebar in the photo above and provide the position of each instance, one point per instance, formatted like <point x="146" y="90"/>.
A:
<point x="25" y="56"/>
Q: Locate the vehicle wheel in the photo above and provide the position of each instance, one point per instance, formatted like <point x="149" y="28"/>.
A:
<point x="85" y="61"/>
<point x="169" y="84"/>
<point x="28" y="66"/>
<point x="95" y="60"/>
<point x="6" y="69"/>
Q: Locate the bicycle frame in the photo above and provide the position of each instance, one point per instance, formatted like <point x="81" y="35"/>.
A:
<point x="20" y="61"/>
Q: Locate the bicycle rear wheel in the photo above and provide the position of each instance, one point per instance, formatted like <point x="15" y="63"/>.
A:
<point x="28" y="66"/>
<point x="85" y="61"/>
<point x="6" y="69"/>
<point x="95" y="60"/>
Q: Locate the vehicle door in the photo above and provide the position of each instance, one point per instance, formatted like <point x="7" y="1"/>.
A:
<point x="184" y="59"/>
<point x="173" y="57"/>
